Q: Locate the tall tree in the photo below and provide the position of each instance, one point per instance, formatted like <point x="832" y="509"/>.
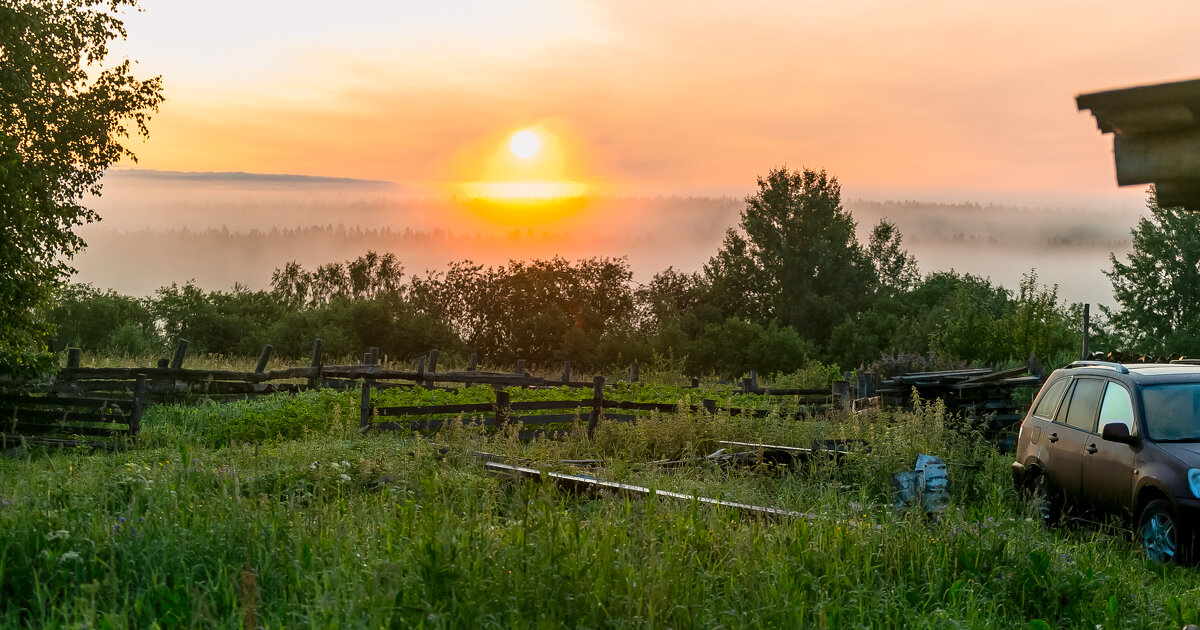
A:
<point x="1158" y="287"/>
<point x="796" y="256"/>
<point x="64" y="118"/>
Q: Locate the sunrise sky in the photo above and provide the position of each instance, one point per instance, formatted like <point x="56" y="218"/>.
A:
<point x="920" y="99"/>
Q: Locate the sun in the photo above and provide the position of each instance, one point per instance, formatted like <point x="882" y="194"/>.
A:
<point x="524" y="144"/>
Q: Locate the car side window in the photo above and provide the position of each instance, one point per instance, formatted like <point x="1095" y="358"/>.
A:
<point x="1085" y="399"/>
<point x="1117" y="406"/>
<point x="1054" y="392"/>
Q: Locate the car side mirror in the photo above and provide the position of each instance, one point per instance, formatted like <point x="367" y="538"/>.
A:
<point x="1117" y="432"/>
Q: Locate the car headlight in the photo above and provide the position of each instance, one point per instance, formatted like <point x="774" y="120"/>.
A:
<point x="1194" y="481"/>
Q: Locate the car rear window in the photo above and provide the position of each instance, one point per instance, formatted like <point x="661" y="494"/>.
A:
<point x="1172" y="412"/>
<point x="1049" y="400"/>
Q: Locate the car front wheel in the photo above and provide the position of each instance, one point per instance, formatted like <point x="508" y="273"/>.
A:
<point x="1161" y="533"/>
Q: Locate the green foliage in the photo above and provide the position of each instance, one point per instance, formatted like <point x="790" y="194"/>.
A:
<point x="64" y="118"/>
<point x="83" y="317"/>
<point x="796" y="259"/>
<point x="1158" y="287"/>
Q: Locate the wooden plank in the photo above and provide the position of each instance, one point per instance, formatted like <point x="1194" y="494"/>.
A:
<point x="40" y="429"/>
<point x="582" y="484"/>
<point x="12" y="440"/>
<point x="546" y="405"/>
<point x="10" y="400"/>
<point x="429" y="410"/>
<point x="51" y="416"/>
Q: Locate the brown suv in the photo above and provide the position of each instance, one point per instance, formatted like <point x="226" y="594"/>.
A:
<point x="1119" y="438"/>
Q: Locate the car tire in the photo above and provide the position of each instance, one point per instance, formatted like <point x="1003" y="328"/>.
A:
<point x="1047" y="500"/>
<point x="1162" y="534"/>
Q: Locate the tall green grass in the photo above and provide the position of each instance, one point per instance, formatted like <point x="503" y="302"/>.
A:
<point x="276" y="513"/>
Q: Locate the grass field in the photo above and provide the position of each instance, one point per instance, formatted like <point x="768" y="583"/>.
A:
<point x="277" y="513"/>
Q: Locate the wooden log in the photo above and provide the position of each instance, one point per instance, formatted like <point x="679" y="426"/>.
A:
<point x="73" y="357"/>
<point x="180" y="349"/>
<point x="502" y="408"/>
<point x="263" y="357"/>
<point x="597" y="405"/>
<point x="18" y="400"/>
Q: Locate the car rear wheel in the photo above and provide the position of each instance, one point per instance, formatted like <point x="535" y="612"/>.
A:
<point x="1046" y="499"/>
<point x="1161" y="533"/>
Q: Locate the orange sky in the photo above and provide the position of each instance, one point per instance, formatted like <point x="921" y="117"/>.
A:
<point x="896" y="99"/>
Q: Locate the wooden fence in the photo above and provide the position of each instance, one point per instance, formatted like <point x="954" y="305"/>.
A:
<point x="501" y="411"/>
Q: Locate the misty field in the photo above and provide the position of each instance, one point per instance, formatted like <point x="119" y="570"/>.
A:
<point x="278" y="513"/>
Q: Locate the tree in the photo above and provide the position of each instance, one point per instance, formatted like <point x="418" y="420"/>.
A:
<point x="64" y="118"/>
<point x="1158" y="288"/>
<point x="895" y="269"/>
<point x="796" y="257"/>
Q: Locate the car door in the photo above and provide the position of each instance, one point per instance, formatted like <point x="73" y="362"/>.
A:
<point x="1108" y="466"/>
<point x="1068" y="435"/>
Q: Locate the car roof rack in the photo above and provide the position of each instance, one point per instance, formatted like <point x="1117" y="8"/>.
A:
<point x="1185" y="361"/>
<point x="1104" y="364"/>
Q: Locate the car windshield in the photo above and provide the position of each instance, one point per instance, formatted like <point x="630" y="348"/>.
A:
<point x="1172" y="412"/>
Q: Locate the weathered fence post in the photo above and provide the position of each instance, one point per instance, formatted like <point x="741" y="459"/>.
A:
<point x="841" y="394"/>
<point x="1083" y="355"/>
<point x="73" y="357"/>
<point x="180" y="348"/>
<point x="695" y="382"/>
<point x="433" y="356"/>
<point x="315" y="364"/>
<point x="566" y="375"/>
<point x="520" y="366"/>
<point x="164" y="363"/>
<point x="364" y="419"/>
<point x="501" y="408"/>
<point x="263" y="358"/>
<point x="597" y="404"/>
<point x="473" y="363"/>
<point x="710" y="406"/>
<point x="633" y="372"/>
<point x="753" y="380"/>
<point x="746" y="385"/>
<point x="421" y="371"/>
<point x="366" y="358"/>
<point x="374" y="355"/>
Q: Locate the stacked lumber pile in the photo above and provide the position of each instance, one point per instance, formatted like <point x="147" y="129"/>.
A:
<point x="981" y="397"/>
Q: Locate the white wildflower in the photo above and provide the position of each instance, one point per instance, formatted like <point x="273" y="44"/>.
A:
<point x="344" y="477"/>
<point x="68" y="557"/>
<point x="58" y="534"/>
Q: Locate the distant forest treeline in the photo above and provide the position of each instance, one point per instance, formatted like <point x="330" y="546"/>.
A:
<point x="796" y="282"/>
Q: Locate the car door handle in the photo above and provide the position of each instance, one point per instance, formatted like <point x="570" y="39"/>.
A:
<point x="1053" y="437"/>
<point x="1091" y="448"/>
